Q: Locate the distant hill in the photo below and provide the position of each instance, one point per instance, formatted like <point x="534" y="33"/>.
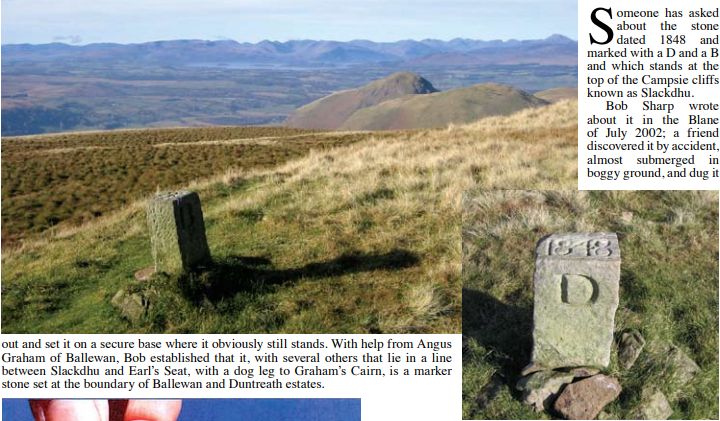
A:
<point x="333" y="110"/>
<point x="557" y="94"/>
<point x="405" y="100"/>
<point x="462" y="105"/>
<point x="555" y="49"/>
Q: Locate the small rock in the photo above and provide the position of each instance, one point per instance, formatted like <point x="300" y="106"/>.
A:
<point x="540" y="388"/>
<point x="630" y="346"/>
<point x="145" y="274"/>
<point x="681" y="367"/>
<point x="585" y="399"/>
<point x="131" y="305"/>
<point x="670" y="367"/>
<point x="530" y="368"/>
<point x="582" y="372"/>
<point x="653" y="406"/>
<point x="626" y="217"/>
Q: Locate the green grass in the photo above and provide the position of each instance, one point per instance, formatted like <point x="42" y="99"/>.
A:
<point x="668" y="289"/>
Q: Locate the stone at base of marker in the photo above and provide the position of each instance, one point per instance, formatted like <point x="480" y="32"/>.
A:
<point x="132" y="306"/>
<point x="530" y="368"/>
<point x="678" y="370"/>
<point x="581" y="372"/>
<point x="653" y="406"/>
<point x="577" y="371"/>
<point x="585" y="399"/>
<point x="145" y="274"/>
<point x="540" y="388"/>
<point x="630" y="346"/>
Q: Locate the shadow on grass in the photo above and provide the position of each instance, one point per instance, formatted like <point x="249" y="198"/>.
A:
<point x="504" y="330"/>
<point x="231" y="275"/>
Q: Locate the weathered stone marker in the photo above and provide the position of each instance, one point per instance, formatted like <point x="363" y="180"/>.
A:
<point x="177" y="232"/>
<point x="576" y="283"/>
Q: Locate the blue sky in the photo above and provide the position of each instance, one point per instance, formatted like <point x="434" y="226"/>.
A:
<point x="128" y="21"/>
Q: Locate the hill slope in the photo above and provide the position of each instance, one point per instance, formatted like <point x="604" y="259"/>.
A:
<point x="557" y="94"/>
<point x="456" y="106"/>
<point x="331" y="111"/>
<point x="358" y="239"/>
<point x="56" y="180"/>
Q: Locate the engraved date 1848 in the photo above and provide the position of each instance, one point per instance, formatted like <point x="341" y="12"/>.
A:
<point x="580" y="248"/>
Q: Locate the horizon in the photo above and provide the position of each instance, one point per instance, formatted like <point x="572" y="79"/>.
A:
<point x="291" y="40"/>
<point x="139" y="21"/>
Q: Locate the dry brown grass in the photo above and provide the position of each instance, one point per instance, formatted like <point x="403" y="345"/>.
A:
<point x="54" y="181"/>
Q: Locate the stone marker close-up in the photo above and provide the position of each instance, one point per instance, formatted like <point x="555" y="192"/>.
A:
<point x="576" y="289"/>
<point x="177" y="232"/>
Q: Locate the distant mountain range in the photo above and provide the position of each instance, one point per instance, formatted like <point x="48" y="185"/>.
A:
<point x="406" y="100"/>
<point x="554" y="50"/>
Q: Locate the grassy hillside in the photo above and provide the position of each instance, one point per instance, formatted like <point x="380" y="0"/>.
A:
<point x="363" y="238"/>
<point x="557" y="94"/>
<point x="332" y="111"/>
<point x="56" y="180"/>
<point x="668" y="291"/>
<point x="456" y="106"/>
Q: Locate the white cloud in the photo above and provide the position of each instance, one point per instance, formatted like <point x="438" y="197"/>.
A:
<point x="70" y="39"/>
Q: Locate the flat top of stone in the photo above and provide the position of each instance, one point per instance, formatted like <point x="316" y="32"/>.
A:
<point x="579" y="245"/>
<point x="173" y="195"/>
